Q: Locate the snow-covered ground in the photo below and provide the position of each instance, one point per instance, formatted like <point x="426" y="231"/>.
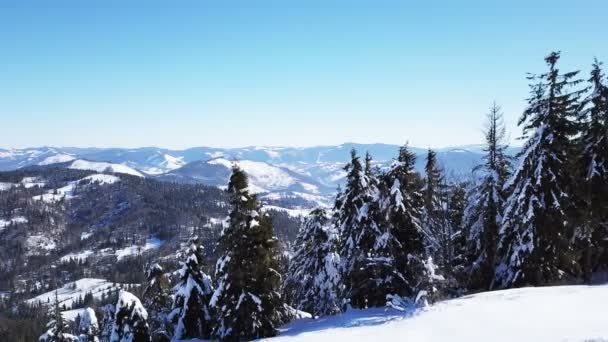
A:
<point x="152" y="243"/>
<point x="565" y="313"/>
<point x="72" y="291"/>
<point x="14" y="220"/>
<point x="293" y="212"/>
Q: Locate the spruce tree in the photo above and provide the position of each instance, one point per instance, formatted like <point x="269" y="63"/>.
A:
<point x="247" y="301"/>
<point x="157" y="301"/>
<point x="366" y="244"/>
<point x="436" y="216"/>
<point x="483" y="214"/>
<point x="313" y="279"/>
<point x="402" y="209"/>
<point x="594" y="158"/>
<point x="191" y="314"/>
<point x="537" y="226"/>
<point x="130" y="320"/>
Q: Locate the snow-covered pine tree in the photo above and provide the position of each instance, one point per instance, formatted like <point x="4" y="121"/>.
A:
<point x="130" y="321"/>
<point x="57" y="327"/>
<point x="366" y="245"/>
<point x="107" y="322"/>
<point x="191" y="313"/>
<point x="313" y="279"/>
<point x="483" y="214"/>
<point x="534" y="247"/>
<point x="157" y="301"/>
<point x="88" y="326"/>
<point x="594" y="158"/>
<point x="435" y="222"/>
<point x="402" y="210"/>
<point x="247" y="301"/>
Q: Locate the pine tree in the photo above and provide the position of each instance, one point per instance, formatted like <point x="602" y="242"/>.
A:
<point x="88" y="326"/>
<point x="435" y="221"/>
<point x="247" y="301"/>
<point x="402" y="208"/>
<point x="191" y="312"/>
<point x="313" y="279"/>
<point x="130" y="321"/>
<point x="157" y="302"/>
<point x="594" y="158"/>
<point x="483" y="214"/>
<point x="107" y="321"/>
<point x="366" y="245"/>
<point x="57" y="327"/>
<point x="536" y="227"/>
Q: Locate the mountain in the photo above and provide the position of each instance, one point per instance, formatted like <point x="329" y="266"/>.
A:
<point x="308" y="170"/>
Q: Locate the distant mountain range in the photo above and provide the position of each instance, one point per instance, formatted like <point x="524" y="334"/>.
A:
<point x="310" y="171"/>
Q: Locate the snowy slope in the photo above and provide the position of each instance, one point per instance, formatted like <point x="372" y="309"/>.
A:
<point x="72" y="291"/>
<point x="65" y="192"/>
<point x="81" y="164"/>
<point x="264" y="177"/>
<point x="58" y="158"/>
<point x="566" y="313"/>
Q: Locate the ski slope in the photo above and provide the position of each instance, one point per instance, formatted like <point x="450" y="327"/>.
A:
<point x="565" y="313"/>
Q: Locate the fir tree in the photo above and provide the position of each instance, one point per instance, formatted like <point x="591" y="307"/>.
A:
<point x="402" y="208"/>
<point x="594" y="158"/>
<point x="366" y="245"/>
<point x="157" y="302"/>
<point x="57" y="327"/>
<point x="130" y="321"/>
<point x="483" y="214"/>
<point x="436" y="214"/>
<point x="313" y="279"/>
<point x="536" y="227"/>
<point x="191" y="312"/>
<point x="247" y="301"/>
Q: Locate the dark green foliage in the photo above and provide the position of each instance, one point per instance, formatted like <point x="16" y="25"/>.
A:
<point x="483" y="214"/>
<point x="366" y="244"/>
<point x="402" y="207"/>
<point x="538" y="219"/>
<point x="191" y="313"/>
<point x="313" y="281"/>
<point x="593" y="233"/>
<point x="247" y="302"/>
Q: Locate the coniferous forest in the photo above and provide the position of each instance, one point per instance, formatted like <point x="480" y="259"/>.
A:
<point x="394" y="236"/>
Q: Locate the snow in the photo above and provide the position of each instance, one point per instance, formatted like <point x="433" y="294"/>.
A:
<point x="14" y="220"/>
<point x="297" y="212"/>
<point x="58" y="158"/>
<point x="263" y="177"/>
<point x="75" y="290"/>
<point x="39" y="241"/>
<point x="81" y="164"/>
<point x="562" y="313"/>
<point x="82" y="256"/>
<point x="152" y="243"/>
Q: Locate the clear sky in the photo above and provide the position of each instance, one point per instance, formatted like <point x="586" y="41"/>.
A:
<point x="298" y="73"/>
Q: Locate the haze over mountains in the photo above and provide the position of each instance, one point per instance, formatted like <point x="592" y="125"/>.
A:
<point x="308" y="170"/>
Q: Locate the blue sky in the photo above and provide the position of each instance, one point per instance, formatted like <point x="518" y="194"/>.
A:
<point x="234" y="73"/>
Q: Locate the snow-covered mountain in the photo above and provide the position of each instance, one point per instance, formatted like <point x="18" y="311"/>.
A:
<point x="308" y="170"/>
